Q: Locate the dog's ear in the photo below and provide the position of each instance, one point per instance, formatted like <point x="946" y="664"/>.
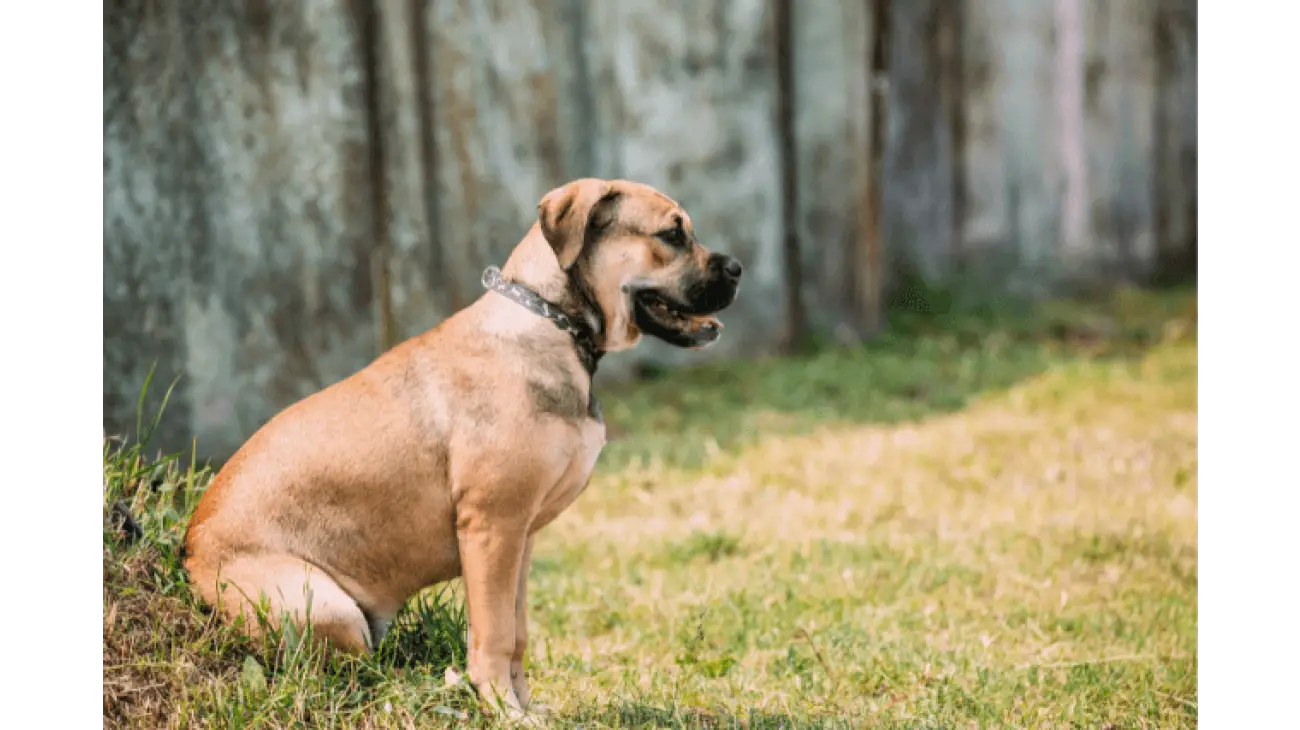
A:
<point x="570" y="213"/>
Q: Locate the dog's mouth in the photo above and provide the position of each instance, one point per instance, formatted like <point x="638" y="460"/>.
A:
<point x="659" y="315"/>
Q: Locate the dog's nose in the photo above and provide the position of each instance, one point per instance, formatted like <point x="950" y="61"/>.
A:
<point x="732" y="268"/>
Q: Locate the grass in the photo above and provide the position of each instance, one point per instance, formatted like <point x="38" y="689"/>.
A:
<point x="978" y="521"/>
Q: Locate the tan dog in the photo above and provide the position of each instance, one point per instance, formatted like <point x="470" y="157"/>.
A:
<point x="444" y="456"/>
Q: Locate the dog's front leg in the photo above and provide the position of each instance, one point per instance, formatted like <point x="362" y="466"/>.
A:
<point x="517" y="679"/>
<point x="491" y="555"/>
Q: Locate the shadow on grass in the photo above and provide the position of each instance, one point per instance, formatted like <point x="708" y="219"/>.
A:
<point x="921" y="365"/>
<point x="637" y="714"/>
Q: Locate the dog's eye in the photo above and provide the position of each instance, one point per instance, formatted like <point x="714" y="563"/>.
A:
<point x="674" y="237"/>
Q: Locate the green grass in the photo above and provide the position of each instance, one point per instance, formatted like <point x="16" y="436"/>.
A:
<point x="977" y="521"/>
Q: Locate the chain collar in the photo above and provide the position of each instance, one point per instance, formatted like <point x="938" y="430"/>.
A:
<point x="584" y="339"/>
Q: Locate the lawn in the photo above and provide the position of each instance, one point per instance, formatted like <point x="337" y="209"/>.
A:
<point x="977" y="521"/>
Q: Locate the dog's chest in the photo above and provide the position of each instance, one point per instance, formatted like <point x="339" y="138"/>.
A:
<point x="591" y="433"/>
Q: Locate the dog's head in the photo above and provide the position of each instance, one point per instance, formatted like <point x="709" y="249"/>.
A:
<point x="632" y="251"/>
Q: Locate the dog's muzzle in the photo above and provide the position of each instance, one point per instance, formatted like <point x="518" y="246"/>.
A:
<point x="689" y="321"/>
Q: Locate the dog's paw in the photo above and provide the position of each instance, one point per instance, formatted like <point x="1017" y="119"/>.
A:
<point x="525" y="718"/>
<point x="501" y="700"/>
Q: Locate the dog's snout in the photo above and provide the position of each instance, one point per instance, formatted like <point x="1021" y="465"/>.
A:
<point x="731" y="267"/>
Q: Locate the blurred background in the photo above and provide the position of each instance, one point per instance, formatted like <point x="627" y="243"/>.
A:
<point x="290" y="188"/>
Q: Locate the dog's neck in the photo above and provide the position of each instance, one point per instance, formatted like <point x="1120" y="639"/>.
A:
<point x="533" y="265"/>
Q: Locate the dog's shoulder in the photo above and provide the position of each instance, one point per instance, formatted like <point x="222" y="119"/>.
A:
<point x="488" y="381"/>
<point x="557" y="396"/>
<point x="556" y="384"/>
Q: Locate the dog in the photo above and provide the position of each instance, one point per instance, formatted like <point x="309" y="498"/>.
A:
<point x="446" y="455"/>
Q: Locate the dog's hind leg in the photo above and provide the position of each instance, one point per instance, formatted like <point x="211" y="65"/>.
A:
<point x="285" y="586"/>
<point x="379" y="626"/>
